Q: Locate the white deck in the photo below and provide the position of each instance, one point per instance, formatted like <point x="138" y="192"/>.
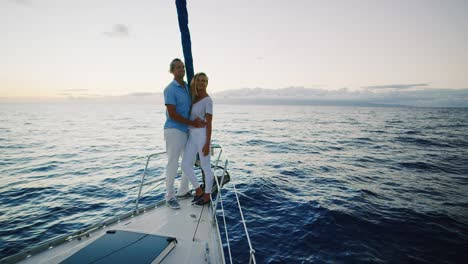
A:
<point x="181" y="224"/>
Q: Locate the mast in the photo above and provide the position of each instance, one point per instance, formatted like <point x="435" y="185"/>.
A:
<point x="185" y="35"/>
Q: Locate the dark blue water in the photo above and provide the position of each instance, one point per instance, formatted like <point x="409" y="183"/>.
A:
<point x="317" y="184"/>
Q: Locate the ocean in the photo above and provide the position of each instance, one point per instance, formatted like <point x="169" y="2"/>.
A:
<point x="317" y="184"/>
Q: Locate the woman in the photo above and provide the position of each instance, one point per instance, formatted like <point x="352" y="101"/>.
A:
<point x="199" y="140"/>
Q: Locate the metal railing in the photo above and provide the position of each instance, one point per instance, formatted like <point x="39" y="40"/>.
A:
<point x="137" y="200"/>
<point x="219" y="199"/>
<point x="215" y="200"/>
<point x="142" y="182"/>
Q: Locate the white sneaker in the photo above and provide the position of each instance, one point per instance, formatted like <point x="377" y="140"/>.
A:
<point x="185" y="195"/>
<point x="173" y="203"/>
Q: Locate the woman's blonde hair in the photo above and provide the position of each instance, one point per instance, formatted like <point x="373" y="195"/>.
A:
<point x="193" y="88"/>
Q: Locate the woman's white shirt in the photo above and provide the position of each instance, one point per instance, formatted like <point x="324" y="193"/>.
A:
<point x="200" y="109"/>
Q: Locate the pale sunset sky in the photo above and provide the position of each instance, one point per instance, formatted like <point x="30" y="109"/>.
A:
<point x="91" y="48"/>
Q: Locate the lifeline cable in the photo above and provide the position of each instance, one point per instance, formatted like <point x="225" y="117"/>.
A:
<point x="203" y="207"/>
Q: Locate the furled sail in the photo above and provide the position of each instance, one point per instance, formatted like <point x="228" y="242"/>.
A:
<point x="185" y="34"/>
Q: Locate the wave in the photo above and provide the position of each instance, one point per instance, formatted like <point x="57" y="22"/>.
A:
<point x="422" y="142"/>
<point x="259" y="142"/>
<point x="424" y="166"/>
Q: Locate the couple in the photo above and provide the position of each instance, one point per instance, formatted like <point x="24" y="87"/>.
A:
<point x="187" y="131"/>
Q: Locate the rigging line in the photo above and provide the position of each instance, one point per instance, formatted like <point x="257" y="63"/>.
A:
<point x="225" y="227"/>
<point x="54" y="200"/>
<point x="25" y="181"/>
<point x="44" y="215"/>
<point x="203" y="207"/>
<point x="252" y="251"/>
<point x="30" y="181"/>
<point x="128" y="203"/>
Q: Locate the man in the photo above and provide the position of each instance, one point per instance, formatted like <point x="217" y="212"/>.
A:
<point x="178" y="102"/>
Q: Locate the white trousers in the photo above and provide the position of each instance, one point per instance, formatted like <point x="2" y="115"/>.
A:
<point x="175" y="145"/>
<point x="195" y="143"/>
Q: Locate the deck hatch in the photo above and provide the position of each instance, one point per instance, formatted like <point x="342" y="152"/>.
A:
<point x="124" y="247"/>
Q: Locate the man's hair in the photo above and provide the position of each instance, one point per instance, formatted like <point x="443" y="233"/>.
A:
<point x="172" y="65"/>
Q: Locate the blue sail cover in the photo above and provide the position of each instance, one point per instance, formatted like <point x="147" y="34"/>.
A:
<point x="185" y="34"/>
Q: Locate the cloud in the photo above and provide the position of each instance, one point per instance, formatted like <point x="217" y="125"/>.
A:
<point x="288" y="92"/>
<point x="119" y="31"/>
<point x="73" y="90"/>
<point x="396" y="86"/>
<point x="21" y="2"/>
<point x="141" y="94"/>
<point x="131" y="98"/>
<point x="81" y="95"/>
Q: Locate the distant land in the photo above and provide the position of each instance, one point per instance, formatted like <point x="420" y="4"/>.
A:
<point x="371" y="96"/>
<point x="391" y="95"/>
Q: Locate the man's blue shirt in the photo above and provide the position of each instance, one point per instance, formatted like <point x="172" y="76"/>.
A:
<point x="178" y="95"/>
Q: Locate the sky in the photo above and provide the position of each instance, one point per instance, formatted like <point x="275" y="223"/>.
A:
<point x="56" y="49"/>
